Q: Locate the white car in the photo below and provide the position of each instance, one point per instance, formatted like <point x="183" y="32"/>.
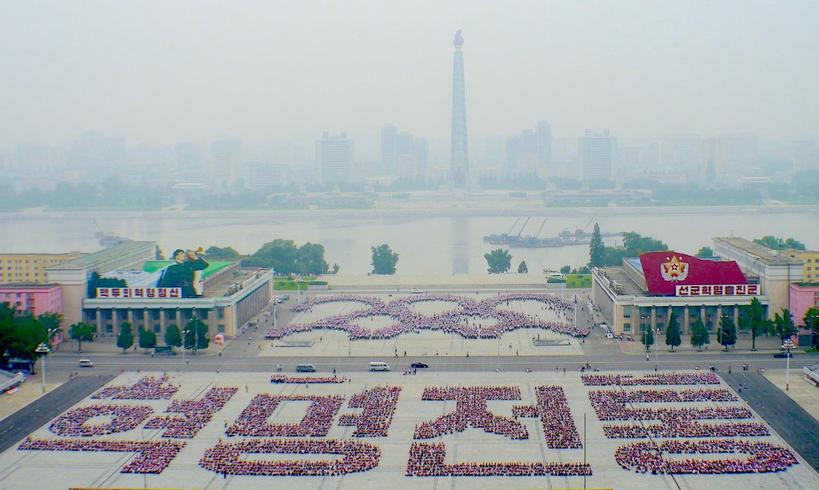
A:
<point x="417" y="291"/>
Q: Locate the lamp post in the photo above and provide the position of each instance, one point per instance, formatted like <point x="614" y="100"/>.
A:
<point x="184" y="337"/>
<point x="43" y="350"/>
<point x="788" y="343"/>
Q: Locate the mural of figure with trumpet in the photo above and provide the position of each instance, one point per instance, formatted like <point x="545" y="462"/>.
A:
<point x="184" y="272"/>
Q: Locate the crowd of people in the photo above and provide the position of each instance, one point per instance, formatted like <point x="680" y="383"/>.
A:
<point x="469" y="319"/>
<point x="686" y="428"/>
<point x="303" y="380"/>
<point x="613" y="405"/>
<point x="226" y="458"/>
<point x="647" y="457"/>
<point x="471" y="411"/>
<point x="553" y="411"/>
<point x="153" y="457"/>
<point x="75" y="422"/>
<point x="378" y="406"/>
<point x="252" y="422"/>
<point x="195" y="413"/>
<point x="428" y="459"/>
<point x="147" y="388"/>
<point x="697" y="378"/>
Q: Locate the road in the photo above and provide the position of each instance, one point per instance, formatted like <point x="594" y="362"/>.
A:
<point x="787" y="418"/>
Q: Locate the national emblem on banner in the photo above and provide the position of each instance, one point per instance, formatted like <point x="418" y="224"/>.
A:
<point x="674" y="269"/>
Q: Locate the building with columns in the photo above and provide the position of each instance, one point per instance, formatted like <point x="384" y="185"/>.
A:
<point x="232" y="297"/>
<point x="645" y="291"/>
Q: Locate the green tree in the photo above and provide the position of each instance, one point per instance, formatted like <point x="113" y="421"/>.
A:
<point x="147" y="339"/>
<point x="566" y="269"/>
<point x="777" y="243"/>
<point x="522" y="269"/>
<point x="22" y="334"/>
<point x="81" y="332"/>
<point x="647" y="336"/>
<point x="310" y="259"/>
<point x="672" y="332"/>
<point x="597" y="250"/>
<point x="699" y="334"/>
<point x="383" y="259"/>
<point x="125" y="339"/>
<point x="811" y="320"/>
<point x="173" y="337"/>
<point x="783" y="324"/>
<point x="636" y="244"/>
<point x="756" y="320"/>
<point x="727" y="333"/>
<point x="196" y="334"/>
<point x="499" y="261"/>
<point x="222" y="253"/>
<point x="705" y="252"/>
<point x="280" y="255"/>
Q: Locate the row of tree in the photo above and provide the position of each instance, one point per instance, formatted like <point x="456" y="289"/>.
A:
<point x="752" y="318"/>
<point x="195" y="336"/>
<point x="634" y="244"/>
<point x="21" y="333"/>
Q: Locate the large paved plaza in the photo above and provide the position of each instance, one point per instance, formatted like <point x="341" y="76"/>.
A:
<point x="406" y="431"/>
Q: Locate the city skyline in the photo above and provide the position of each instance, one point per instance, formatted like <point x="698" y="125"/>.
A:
<point x="681" y="69"/>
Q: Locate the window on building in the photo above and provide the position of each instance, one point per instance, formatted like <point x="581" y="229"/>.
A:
<point x="627" y="311"/>
<point x="109" y="329"/>
<point x="157" y="328"/>
<point x="220" y="313"/>
<point x="220" y="328"/>
<point x="627" y="327"/>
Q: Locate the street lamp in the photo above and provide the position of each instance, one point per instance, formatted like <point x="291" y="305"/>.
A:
<point x="184" y="338"/>
<point x="788" y="345"/>
<point x="43" y="350"/>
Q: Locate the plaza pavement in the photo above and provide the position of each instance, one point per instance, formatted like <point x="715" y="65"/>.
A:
<point x="58" y="470"/>
<point x="803" y="392"/>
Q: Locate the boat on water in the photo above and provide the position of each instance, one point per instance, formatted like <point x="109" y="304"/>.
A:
<point x="564" y="238"/>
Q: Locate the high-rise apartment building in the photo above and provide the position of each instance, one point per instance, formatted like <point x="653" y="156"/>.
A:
<point x="402" y="153"/>
<point x="531" y="151"/>
<point x="596" y="155"/>
<point x="334" y="157"/>
<point x="459" y="156"/>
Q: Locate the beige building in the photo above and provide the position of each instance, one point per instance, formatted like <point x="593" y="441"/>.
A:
<point x="30" y="268"/>
<point x="772" y="269"/>
<point x="231" y="299"/>
<point x="810" y="261"/>
<point x="622" y="296"/>
<point x="73" y="275"/>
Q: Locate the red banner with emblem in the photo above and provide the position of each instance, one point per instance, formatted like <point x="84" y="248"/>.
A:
<point x="664" y="271"/>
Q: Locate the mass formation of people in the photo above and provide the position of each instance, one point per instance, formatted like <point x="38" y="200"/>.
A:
<point x="195" y="413"/>
<point x="647" y="457"/>
<point x="153" y="457"/>
<point x="75" y="422"/>
<point x="226" y="458"/>
<point x="469" y="319"/>
<point x="378" y="406"/>
<point x="428" y="459"/>
<point x="252" y="422"/>
<point x="147" y="388"/>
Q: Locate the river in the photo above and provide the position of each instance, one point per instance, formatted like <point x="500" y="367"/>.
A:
<point x="438" y="240"/>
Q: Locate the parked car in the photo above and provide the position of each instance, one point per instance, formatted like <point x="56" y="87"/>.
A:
<point x="418" y="365"/>
<point x="783" y="355"/>
<point x="86" y="363"/>
<point x="417" y="291"/>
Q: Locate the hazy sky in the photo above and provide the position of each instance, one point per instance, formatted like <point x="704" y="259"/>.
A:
<point x="165" y="71"/>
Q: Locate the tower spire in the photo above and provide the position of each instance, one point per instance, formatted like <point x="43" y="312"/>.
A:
<point x="459" y="162"/>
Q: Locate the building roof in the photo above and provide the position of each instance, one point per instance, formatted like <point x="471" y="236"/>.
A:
<point x="88" y="261"/>
<point x="619" y="276"/>
<point x="27" y="285"/>
<point x="764" y="254"/>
